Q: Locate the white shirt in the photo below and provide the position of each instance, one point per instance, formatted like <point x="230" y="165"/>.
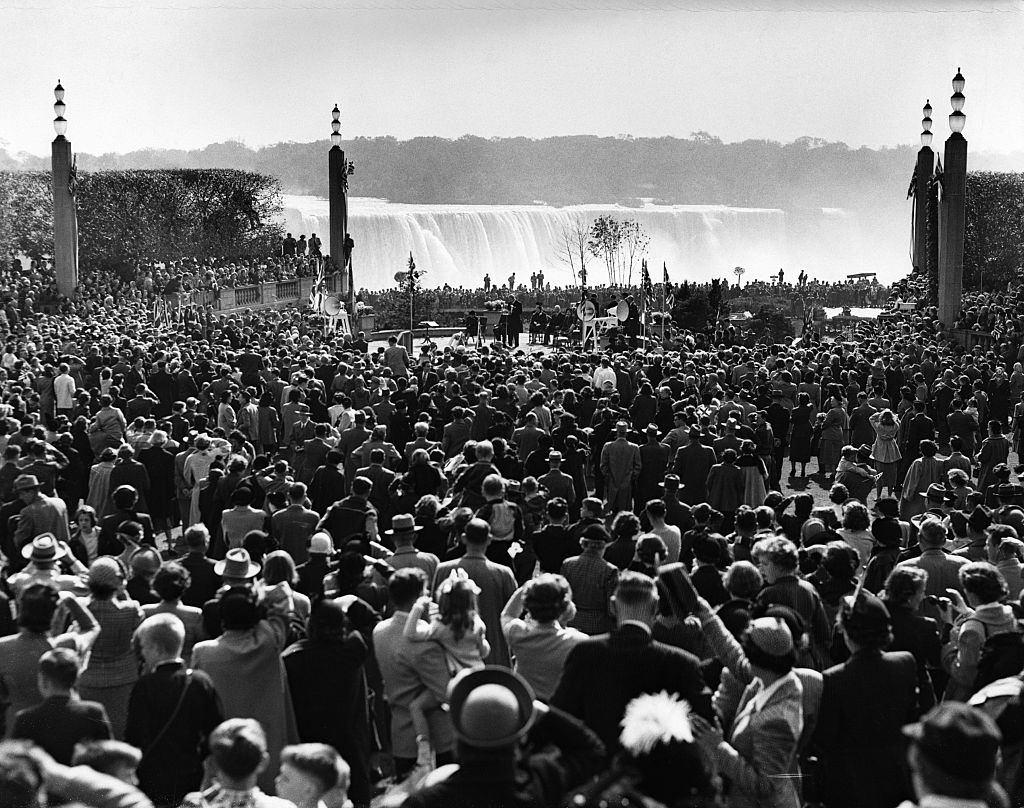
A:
<point x="64" y="388"/>
<point x="602" y="375"/>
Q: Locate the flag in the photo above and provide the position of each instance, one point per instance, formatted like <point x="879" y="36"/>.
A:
<point x="316" y="294"/>
<point x="912" y="190"/>
<point x="664" y="270"/>
<point x="647" y="288"/>
<point x="669" y="295"/>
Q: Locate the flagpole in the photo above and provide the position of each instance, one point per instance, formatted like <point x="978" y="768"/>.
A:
<point x="664" y="286"/>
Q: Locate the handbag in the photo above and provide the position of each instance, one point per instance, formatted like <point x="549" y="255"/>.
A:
<point x="174" y="714"/>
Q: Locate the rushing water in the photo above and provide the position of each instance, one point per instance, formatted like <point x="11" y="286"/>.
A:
<point x="458" y="244"/>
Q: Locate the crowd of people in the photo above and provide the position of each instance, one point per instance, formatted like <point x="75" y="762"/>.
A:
<point x="247" y="562"/>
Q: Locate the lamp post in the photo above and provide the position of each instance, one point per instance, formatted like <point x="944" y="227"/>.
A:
<point x="65" y="218"/>
<point x="338" y="170"/>
<point x="922" y="175"/>
<point x="953" y="214"/>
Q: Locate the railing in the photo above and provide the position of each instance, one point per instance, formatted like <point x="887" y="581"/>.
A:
<point x="247" y="296"/>
<point x="286" y="290"/>
<point x="972" y="339"/>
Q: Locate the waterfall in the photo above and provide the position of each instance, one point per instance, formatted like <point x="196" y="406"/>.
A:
<point x="459" y="244"/>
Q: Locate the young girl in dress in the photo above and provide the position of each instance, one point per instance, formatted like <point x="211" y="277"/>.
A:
<point x="460" y="632"/>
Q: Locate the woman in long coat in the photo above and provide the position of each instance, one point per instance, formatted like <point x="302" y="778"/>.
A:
<point x="886" y="451"/>
<point x="995" y="449"/>
<point x="755" y="476"/>
<point x="833" y="437"/>
<point x="800" y="437"/>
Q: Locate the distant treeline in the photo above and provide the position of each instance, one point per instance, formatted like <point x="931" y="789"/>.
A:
<point x="807" y="173"/>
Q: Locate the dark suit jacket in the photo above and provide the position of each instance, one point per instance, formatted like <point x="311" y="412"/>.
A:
<point x="175" y="766"/>
<point x="205" y="582"/>
<point x="864" y="704"/>
<point x="326" y="488"/>
<point x="59" y="722"/>
<point x="604" y="673"/>
<point x="108" y="541"/>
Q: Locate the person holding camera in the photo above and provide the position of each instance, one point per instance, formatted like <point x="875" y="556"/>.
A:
<point x="977" y="619"/>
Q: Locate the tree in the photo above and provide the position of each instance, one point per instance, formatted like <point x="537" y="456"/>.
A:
<point x="634" y="245"/>
<point x="604" y="243"/>
<point x="573" y="239"/>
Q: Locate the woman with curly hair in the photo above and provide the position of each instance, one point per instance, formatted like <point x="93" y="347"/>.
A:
<point x="975" y="617"/>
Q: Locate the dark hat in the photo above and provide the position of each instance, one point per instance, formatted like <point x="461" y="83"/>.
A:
<point x="888" y="507"/>
<point x="863" y="452"/>
<point x="980" y="518"/>
<point x="936" y="492"/>
<point x="675" y="586"/>
<point x="302" y="409"/>
<point x="490" y="707"/>
<point x="887" y="532"/>
<point x="237" y="564"/>
<point x="1001" y="470"/>
<point x="962" y="741"/>
<point x="1009" y="491"/>
<point x="670" y="483"/>
<point x="864" y="612"/>
<point x="595" y="533"/>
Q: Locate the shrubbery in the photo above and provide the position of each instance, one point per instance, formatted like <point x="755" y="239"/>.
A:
<point x="155" y="215"/>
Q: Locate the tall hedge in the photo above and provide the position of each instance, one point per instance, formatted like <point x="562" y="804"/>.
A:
<point x="159" y="215"/>
<point x="994" y="242"/>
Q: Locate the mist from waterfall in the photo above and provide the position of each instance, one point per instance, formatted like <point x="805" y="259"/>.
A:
<point x="459" y="244"/>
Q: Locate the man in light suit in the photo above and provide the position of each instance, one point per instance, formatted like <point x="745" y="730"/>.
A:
<point x="620" y="467"/>
<point x="604" y="673"/>
<point x="408" y="669"/>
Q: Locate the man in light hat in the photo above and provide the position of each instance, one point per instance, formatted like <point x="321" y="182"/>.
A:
<point x="952" y="756"/>
<point x="493" y="711"/>
<point x="44" y="554"/>
<point x="317" y="567"/>
<point x="40" y="514"/>
<point x="557" y="482"/>
<point x="620" y="466"/>
<point x="403" y="534"/>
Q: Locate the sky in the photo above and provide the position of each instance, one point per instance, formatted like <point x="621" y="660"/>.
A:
<point x="184" y="73"/>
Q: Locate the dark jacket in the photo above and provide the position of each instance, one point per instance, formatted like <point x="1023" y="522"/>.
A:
<point x="205" y="582"/>
<point x="59" y="722"/>
<point x="328" y="691"/>
<point x="174" y="765"/>
<point x="865" y="703"/>
<point x="604" y="673"/>
<point x="108" y="541"/>
<point x="559" y="754"/>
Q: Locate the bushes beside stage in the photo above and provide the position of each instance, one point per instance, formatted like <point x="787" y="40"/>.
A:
<point x="155" y="215"/>
<point x="993" y="246"/>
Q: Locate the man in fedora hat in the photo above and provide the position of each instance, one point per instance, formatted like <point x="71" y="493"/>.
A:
<point x="620" y="467"/>
<point x="40" y="514"/>
<point x="403" y="534"/>
<point x="557" y="482"/>
<point x="865" y="703"/>
<point x="236" y="569"/>
<point x="952" y="755"/>
<point x="44" y="554"/>
<point x="494" y="714"/>
<point x="692" y="465"/>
